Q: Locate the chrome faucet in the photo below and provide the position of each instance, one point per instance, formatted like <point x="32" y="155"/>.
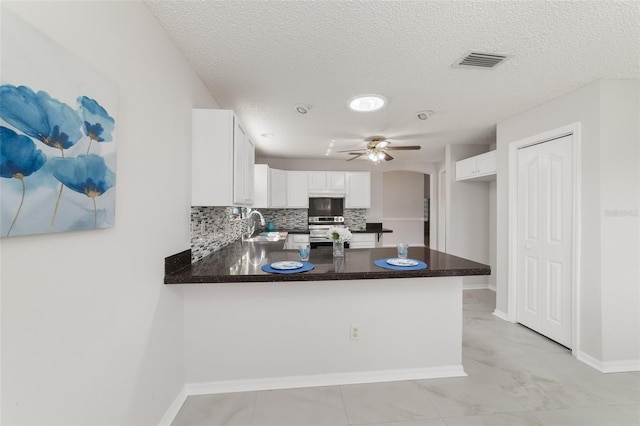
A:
<point x="252" y="227"/>
<point x="252" y="212"/>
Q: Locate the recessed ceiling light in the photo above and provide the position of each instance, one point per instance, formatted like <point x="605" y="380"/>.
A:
<point x="423" y="115"/>
<point x="302" y="109"/>
<point x="267" y="135"/>
<point x="367" y="103"/>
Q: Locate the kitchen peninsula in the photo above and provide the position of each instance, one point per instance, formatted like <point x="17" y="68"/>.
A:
<point x="242" y="262"/>
<point x="346" y="321"/>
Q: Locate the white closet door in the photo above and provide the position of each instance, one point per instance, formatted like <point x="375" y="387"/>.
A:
<point x="545" y="223"/>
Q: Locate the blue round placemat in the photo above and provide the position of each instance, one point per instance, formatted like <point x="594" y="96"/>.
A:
<point x="306" y="266"/>
<point x="383" y="264"/>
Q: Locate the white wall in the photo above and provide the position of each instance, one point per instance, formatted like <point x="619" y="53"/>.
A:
<point x="620" y="171"/>
<point x="90" y="334"/>
<point x="403" y="207"/>
<point x="293" y="333"/>
<point x="608" y="112"/>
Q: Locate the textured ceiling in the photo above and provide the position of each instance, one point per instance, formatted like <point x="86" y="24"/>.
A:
<point x="261" y="58"/>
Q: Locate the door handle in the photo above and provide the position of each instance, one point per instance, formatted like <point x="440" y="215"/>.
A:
<point x="527" y="246"/>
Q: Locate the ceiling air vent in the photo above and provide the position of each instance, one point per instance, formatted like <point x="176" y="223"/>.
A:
<point x="476" y="59"/>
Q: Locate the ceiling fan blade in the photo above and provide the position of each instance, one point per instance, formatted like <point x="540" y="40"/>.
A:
<point x="400" y="148"/>
<point x="387" y="157"/>
<point x="356" y="156"/>
<point x="351" y="150"/>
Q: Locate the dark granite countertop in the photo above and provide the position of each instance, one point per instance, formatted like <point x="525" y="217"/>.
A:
<point x="242" y="262"/>
<point x="353" y="231"/>
<point x="370" y="231"/>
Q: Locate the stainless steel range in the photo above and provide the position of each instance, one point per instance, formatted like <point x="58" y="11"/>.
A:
<point x="319" y="226"/>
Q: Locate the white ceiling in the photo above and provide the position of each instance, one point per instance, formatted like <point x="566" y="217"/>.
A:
<point x="261" y="58"/>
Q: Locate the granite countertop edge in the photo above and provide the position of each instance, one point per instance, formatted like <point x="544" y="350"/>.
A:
<point x="353" y="231"/>
<point x="309" y="276"/>
<point x="216" y="267"/>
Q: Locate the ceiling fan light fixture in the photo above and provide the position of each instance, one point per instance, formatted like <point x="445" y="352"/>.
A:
<point x="423" y="115"/>
<point x="302" y="109"/>
<point x="367" y="103"/>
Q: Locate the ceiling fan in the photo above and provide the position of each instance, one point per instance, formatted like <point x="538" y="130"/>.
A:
<point x="376" y="150"/>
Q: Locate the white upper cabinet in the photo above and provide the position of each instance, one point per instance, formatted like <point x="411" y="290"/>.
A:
<point x="336" y="181"/>
<point x="277" y="188"/>
<point x="317" y="181"/>
<point x="243" y="162"/>
<point x="358" y="190"/>
<point x="481" y="167"/>
<point x="261" y="191"/>
<point x="222" y="160"/>
<point x="326" y="183"/>
<point x="297" y="190"/>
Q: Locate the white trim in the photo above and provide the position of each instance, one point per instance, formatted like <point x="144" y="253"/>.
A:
<point x="501" y="315"/>
<point x="571" y="129"/>
<point x="173" y="409"/>
<point x="404" y="219"/>
<point x="609" y="366"/>
<point x="441" y="242"/>
<point x="475" y="286"/>
<point x="333" y="379"/>
<point x="492" y="287"/>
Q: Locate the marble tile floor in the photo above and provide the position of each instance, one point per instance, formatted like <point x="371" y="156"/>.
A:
<point x="515" y="377"/>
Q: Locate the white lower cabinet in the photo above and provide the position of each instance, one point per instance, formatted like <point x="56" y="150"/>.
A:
<point x="294" y="241"/>
<point x="359" y="240"/>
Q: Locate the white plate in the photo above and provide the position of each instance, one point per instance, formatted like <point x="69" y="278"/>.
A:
<point x="286" y="265"/>
<point x="402" y="262"/>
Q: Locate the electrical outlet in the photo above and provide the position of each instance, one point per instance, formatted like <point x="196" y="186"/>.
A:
<point x="354" y="332"/>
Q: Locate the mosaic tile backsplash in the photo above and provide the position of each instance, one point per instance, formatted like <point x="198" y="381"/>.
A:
<point x="355" y="219"/>
<point x="209" y="224"/>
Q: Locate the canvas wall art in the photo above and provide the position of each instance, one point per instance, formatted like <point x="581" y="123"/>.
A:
<point x="58" y="121"/>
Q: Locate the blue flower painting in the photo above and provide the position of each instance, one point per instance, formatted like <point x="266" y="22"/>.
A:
<point x="40" y="116"/>
<point x="84" y="174"/>
<point x="19" y="158"/>
<point x="57" y="137"/>
<point x="98" y="125"/>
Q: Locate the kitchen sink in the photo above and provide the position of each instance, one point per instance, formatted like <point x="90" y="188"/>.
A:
<point x="270" y="237"/>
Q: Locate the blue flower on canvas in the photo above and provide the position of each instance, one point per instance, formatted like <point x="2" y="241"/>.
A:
<point x="98" y="124"/>
<point x="40" y="116"/>
<point x="85" y="174"/>
<point x="19" y="158"/>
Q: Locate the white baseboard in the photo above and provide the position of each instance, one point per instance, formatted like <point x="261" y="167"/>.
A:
<point x="609" y="366"/>
<point x="474" y="286"/>
<point x="501" y="315"/>
<point x="333" y="379"/>
<point x="173" y="409"/>
<point x="492" y="287"/>
<point x="290" y="382"/>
